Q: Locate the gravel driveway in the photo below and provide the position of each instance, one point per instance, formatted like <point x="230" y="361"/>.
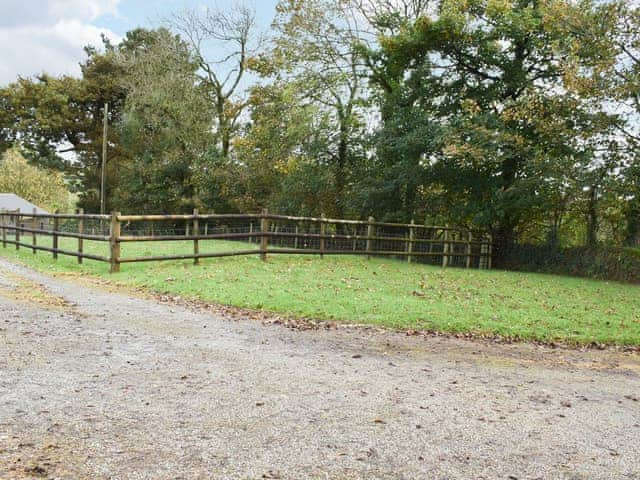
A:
<point x="97" y="384"/>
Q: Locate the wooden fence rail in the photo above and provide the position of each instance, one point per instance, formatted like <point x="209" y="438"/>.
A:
<point x="271" y="234"/>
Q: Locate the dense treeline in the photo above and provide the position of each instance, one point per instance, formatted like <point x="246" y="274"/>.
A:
<point x="515" y="116"/>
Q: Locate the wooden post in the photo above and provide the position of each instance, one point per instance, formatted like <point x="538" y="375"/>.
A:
<point x="34" y="241"/>
<point x="264" y="234"/>
<point x="469" y="240"/>
<point x="56" y="225"/>
<point x="445" y="249"/>
<point x="323" y="230"/>
<point x="370" y="234"/>
<point x="196" y="233"/>
<point x="355" y="237"/>
<point x="114" y="243"/>
<point x="186" y="231"/>
<point x="3" y="217"/>
<point x="80" y="231"/>
<point x="295" y="239"/>
<point x="433" y="236"/>
<point x="483" y="255"/>
<point x="17" y="235"/>
<point x="489" y="252"/>
<point x="206" y="228"/>
<point x="410" y="243"/>
<point x="250" y="232"/>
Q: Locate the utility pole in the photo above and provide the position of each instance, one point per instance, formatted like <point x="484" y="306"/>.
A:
<point x="103" y="172"/>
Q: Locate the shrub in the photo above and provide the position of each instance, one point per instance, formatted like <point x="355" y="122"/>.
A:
<point x="600" y="262"/>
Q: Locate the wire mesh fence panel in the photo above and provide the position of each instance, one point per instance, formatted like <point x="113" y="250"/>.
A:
<point x="138" y="238"/>
<point x="171" y="237"/>
<point x="63" y="234"/>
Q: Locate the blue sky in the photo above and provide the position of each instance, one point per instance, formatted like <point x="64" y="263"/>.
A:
<point x="133" y="13"/>
<point x="49" y="35"/>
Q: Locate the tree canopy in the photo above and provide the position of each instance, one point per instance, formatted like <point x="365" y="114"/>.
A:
<point x="518" y="117"/>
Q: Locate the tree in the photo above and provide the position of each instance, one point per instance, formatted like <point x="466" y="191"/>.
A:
<point x="315" y="51"/>
<point x="283" y="152"/>
<point x="46" y="189"/>
<point x="606" y="67"/>
<point x="233" y="33"/>
<point x="623" y="18"/>
<point x="165" y="126"/>
<point x="57" y="122"/>
<point x="489" y="79"/>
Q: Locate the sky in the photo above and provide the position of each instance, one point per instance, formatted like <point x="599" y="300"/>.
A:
<point x="49" y="35"/>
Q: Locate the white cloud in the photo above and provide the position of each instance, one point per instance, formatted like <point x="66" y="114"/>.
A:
<point x="87" y="9"/>
<point x="49" y="36"/>
<point x="43" y="12"/>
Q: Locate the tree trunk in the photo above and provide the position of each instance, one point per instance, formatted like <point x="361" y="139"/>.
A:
<point x="504" y="238"/>
<point x="504" y="234"/>
<point x="592" y="217"/>
<point x="226" y="144"/>
<point x="410" y="201"/>
<point x="632" y="214"/>
<point x="340" y="170"/>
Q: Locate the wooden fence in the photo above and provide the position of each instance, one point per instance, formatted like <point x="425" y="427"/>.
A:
<point x="260" y="234"/>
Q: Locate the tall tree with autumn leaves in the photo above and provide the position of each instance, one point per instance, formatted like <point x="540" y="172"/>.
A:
<point x="476" y="102"/>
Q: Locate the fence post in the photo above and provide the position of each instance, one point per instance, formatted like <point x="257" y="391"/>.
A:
<point x="469" y="250"/>
<point x="56" y="225"/>
<point x="355" y="237"/>
<point x="17" y="235"/>
<point x="410" y="243"/>
<point x="445" y="249"/>
<point x="490" y="252"/>
<point x="323" y="231"/>
<point x="34" y="241"/>
<point x="483" y="255"/>
<point x="3" y="219"/>
<point x="114" y="243"/>
<point x="264" y="233"/>
<point x="370" y="233"/>
<point x="295" y="239"/>
<point x="196" y="233"/>
<point x="81" y="232"/>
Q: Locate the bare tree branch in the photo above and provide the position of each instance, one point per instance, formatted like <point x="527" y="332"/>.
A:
<point x="233" y="35"/>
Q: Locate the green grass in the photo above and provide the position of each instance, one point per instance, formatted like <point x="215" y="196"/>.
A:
<point x="387" y="293"/>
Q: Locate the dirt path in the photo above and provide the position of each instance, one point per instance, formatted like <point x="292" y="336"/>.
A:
<point x="102" y="385"/>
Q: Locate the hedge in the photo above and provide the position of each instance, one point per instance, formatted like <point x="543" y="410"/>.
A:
<point x="600" y="262"/>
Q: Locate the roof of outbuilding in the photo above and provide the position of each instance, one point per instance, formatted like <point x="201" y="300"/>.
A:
<point x="11" y="201"/>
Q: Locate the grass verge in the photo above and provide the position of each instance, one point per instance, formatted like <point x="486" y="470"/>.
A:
<point x="382" y="292"/>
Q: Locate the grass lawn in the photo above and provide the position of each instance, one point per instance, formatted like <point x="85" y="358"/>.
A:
<point x="382" y="292"/>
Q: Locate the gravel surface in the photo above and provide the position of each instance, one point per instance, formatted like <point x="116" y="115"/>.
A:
<point x="99" y="384"/>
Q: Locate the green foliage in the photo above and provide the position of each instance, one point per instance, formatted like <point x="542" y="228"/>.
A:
<point x="601" y="262"/>
<point x="165" y="128"/>
<point x="43" y="188"/>
<point x="315" y="54"/>
<point x="283" y="151"/>
<point x="478" y="120"/>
